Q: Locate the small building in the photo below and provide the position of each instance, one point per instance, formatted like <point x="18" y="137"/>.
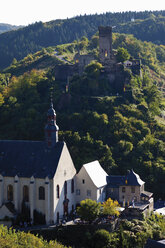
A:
<point x="129" y="192"/>
<point x="91" y="182"/>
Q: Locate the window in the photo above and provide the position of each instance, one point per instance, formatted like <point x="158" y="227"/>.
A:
<point x="58" y="217"/>
<point x="25" y="193"/>
<point x="77" y="191"/>
<point x="123" y="189"/>
<point x="83" y="181"/>
<point x="132" y="189"/>
<point x="10" y="192"/>
<point x="72" y="186"/>
<point x="41" y="193"/>
<point x="100" y="191"/>
<point x="58" y="191"/>
<point x="65" y="188"/>
<point x="88" y="192"/>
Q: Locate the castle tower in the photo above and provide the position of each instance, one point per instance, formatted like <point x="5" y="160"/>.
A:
<point x="51" y="129"/>
<point x="105" y="44"/>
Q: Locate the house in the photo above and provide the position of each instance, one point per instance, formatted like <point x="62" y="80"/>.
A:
<point x="91" y="182"/>
<point x="129" y="191"/>
<point x="40" y="174"/>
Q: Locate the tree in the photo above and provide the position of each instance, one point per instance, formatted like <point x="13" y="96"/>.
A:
<point x="101" y="238"/>
<point x="89" y="210"/>
<point x="1" y="99"/>
<point x="110" y="207"/>
<point x="122" y="54"/>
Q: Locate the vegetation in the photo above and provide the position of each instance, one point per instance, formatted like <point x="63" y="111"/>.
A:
<point x="110" y="207"/>
<point x="148" y="26"/>
<point x="89" y="210"/>
<point x="12" y="239"/>
<point x="127" y="234"/>
<point x="116" y="124"/>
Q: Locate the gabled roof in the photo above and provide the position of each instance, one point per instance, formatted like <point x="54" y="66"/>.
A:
<point x="29" y="158"/>
<point x="153" y="244"/>
<point x="96" y="173"/>
<point x="131" y="179"/>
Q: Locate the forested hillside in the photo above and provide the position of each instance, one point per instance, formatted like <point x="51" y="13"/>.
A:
<point x="18" y="44"/>
<point x="123" y="129"/>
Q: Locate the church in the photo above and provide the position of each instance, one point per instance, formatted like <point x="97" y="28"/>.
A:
<point x="41" y="174"/>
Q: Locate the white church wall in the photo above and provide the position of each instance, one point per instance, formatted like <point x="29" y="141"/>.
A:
<point x="65" y="172"/>
<point x="101" y="194"/>
<point x="34" y="201"/>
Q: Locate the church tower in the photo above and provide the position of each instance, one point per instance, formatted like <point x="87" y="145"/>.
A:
<point x="51" y="129"/>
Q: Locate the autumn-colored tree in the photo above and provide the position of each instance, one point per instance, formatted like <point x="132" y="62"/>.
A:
<point x="110" y="207"/>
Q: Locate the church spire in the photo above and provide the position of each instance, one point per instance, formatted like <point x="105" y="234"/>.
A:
<point x="51" y="128"/>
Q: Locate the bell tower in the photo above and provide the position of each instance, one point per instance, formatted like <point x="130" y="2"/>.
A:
<point x="51" y="128"/>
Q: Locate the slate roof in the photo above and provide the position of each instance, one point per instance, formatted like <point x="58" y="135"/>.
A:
<point x="153" y="244"/>
<point x="29" y="158"/>
<point x="131" y="179"/>
<point x="115" y="181"/>
<point x="159" y="204"/>
<point x="96" y="173"/>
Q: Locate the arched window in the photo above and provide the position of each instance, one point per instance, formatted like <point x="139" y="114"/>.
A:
<point x="65" y="188"/>
<point x="72" y="186"/>
<point x="25" y="193"/>
<point x="58" y="191"/>
<point x="41" y="193"/>
<point x="10" y="192"/>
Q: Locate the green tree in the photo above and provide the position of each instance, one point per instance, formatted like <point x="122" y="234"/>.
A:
<point x="89" y="210"/>
<point x="101" y="239"/>
<point x="122" y="54"/>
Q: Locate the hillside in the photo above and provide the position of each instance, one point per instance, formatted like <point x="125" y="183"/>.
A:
<point x="150" y="29"/>
<point x="98" y="120"/>
<point x="7" y="27"/>
<point x="18" y="44"/>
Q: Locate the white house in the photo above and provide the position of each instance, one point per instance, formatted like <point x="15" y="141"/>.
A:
<point x="91" y="182"/>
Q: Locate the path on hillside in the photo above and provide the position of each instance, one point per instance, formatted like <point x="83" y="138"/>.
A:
<point x="61" y="57"/>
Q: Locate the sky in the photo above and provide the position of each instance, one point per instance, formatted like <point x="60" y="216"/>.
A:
<point x="24" y="12"/>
